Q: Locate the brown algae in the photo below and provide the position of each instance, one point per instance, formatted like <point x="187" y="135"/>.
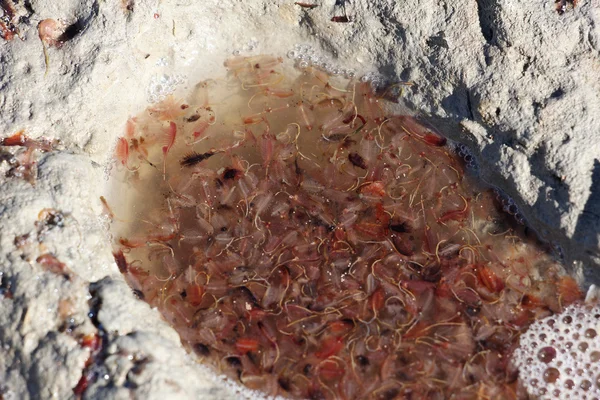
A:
<point x="308" y="243"/>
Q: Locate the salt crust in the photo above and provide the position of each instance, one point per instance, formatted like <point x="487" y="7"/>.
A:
<point x="521" y="80"/>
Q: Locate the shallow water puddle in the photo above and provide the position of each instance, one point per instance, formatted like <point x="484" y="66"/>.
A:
<point x="308" y="243"/>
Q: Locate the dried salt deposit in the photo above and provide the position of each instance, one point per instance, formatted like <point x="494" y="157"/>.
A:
<point x="520" y="79"/>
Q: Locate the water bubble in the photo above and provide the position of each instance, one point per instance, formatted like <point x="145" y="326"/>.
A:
<point x="590" y="333"/>
<point x="546" y="354"/>
<point x="520" y="218"/>
<point x="551" y="375"/>
<point x="586" y="385"/>
<point x="529" y="361"/>
<point x="320" y="64"/>
<point x="569" y="384"/>
<point x="583" y="346"/>
<point x="533" y="382"/>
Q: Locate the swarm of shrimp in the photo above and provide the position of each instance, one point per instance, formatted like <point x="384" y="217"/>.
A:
<point x="309" y="245"/>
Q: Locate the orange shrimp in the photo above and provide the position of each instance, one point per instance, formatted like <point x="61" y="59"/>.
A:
<point x="245" y="345"/>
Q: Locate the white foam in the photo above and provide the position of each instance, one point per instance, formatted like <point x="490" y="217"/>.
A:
<point x="306" y="56"/>
<point x="559" y="356"/>
<point x="162" y="86"/>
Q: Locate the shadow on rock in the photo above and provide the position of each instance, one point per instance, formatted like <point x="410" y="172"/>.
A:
<point x="587" y="231"/>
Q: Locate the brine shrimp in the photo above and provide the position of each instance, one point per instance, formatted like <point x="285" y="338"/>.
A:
<point x="169" y="141"/>
<point x="311" y="244"/>
<point x="23" y="163"/>
<point x="199" y="133"/>
<point x="168" y="110"/>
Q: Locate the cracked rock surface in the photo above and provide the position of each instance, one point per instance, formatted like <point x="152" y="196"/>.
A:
<point x="515" y="81"/>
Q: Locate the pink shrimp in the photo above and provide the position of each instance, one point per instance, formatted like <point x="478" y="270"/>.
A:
<point x="260" y="117"/>
<point x="306" y="116"/>
<point x="279" y="93"/>
<point x="122" y="151"/>
<point x="168" y="110"/>
<point x="266" y="148"/>
<point x="254" y="119"/>
<point x="413" y="127"/>
<point x="170" y="136"/>
<point x="199" y="131"/>
<point x="20" y="139"/>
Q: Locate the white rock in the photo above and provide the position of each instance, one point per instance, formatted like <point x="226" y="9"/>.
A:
<point x="522" y="81"/>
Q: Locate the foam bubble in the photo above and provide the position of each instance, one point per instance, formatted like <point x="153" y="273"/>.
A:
<point x="465" y="153"/>
<point x="306" y="56"/>
<point x="162" y="86"/>
<point x="559" y="356"/>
